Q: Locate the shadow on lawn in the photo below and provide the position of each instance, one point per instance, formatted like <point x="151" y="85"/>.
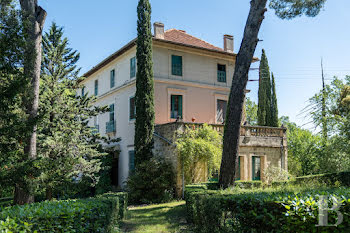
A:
<point x="168" y="217"/>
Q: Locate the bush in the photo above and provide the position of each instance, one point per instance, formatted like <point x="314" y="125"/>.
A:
<point x="263" y="211"/>
<point x="275" y="174"/>
<point x="152" y="182"/>
<point x="99" y="214"/>
<point x="329" y="179"/>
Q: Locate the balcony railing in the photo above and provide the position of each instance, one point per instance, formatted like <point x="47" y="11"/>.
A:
<point x="110" y="127"/>
<point x="246" y="130"/>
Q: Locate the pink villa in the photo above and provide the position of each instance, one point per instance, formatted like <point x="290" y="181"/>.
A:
<point x="192" y="83"/>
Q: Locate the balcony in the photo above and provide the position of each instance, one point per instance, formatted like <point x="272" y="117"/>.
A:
<point x="110" y="127"/>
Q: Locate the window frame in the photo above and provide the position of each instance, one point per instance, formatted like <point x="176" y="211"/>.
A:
<point x="180" y="106"/>
<point x="253" y="167"/>
<point x="132" y="67"/>
<point x="96" y="87"/>
<point x="112" y="78"/>
<point x="221" y="79"/>
<point x="132" y="119"/>
<point x="176" y="71"/>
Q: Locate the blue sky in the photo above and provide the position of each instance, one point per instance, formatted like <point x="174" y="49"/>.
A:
<point x="294" y="47"/>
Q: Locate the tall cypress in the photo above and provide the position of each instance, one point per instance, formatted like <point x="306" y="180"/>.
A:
<point x="264" y="103"/>
<point x="274" y="107"/>
<point x="144" y="97"/>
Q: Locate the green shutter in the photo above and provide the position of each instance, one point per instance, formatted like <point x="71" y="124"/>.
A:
<point x="132" y="67"/>
<point x="132" y="108"/>
<point x="254" y="163"/>
<point x="111" y="112"/>
<point x="180" y="107"/>
<point x="96" y="87"/>
<point x="176" y="65"/>
<point x="172" y="108"/>
<point x="131" y="160"/>
<point x="239" y="168"/>
<point x="112" y="78"/>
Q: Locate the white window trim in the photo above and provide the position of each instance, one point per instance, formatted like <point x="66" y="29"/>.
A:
<point x="131" y="120"/>
<point x="217" y="97"/>
<point x="176" y="91"/>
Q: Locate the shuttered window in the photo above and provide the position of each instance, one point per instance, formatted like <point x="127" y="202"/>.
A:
<point x="96" y="87"/>
<point x="176" y="106"/>
<point x="112" y="78"/>
<point x="132" y="108"/>
<point x="133" y="67"/>
<point x="221" y="73"/>
<point x="221" y="106"/>
<point x="176" y="65"/>
<point x="111" y="112"/>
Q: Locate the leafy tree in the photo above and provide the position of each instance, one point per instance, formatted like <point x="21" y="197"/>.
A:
<point x="144" y="125"/>
<point x="284" y="9"/>
<point x="67" y="146"/>
<point x="274" y="106"/>
<point x="264" y="103"/>
<point x="251" y="109"/>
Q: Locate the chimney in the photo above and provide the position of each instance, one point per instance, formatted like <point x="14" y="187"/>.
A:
<point x="228" y="43"/>
<point x="158" y="30"/>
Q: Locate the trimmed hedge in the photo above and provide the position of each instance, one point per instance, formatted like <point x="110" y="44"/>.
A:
<point x="262" y="211"/>
<point x="100" y="214"/>
<point x="342" y="178"/>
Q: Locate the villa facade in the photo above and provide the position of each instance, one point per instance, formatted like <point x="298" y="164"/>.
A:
<point x="192" y="81"/>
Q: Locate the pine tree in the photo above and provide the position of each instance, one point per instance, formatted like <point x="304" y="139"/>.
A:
<point x="68" y="148"/>
<point x="144" y="125"/>
<point x="264" y="103"/>
<point x="274" y="107"/>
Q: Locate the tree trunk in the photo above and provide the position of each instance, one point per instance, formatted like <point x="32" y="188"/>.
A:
<point x="237" y="94"/>
<point x="33" y="19"/>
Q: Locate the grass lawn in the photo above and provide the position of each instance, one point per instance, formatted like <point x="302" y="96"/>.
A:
<point x="168" y="217"/>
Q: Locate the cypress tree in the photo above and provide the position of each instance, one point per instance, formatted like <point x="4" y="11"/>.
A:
<point x="264" y="94"/>
<point x="144" y="97"/>
<point x="274" y="107"/>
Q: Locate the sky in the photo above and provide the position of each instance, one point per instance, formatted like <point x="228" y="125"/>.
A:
<point x="294" y="47"/>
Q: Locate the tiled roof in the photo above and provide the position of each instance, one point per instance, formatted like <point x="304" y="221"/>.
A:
<point x="179" y="36"/>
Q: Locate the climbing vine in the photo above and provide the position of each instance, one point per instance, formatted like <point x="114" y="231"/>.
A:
<point x="199" y="146"/>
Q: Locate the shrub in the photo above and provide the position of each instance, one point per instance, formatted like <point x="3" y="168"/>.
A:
<point x="263" y="211"/>
<point x="275" y="174"/>
<point x="99" y="214"/>
<point x="341" y="178"/>
<point x="152" y="182"/>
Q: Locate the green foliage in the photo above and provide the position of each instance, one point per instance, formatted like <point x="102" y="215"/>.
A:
<point x="275" y="174"/>
<point x="264" y="93"/>
<point x="201" y="145"/>
<point x="153" y="181"/>
<point x="99" y="214"/>
<point x="269" y="210"/>
<point x="251" y="110"/>
<point x="328" y="179"/>
<point x="274" y="106"/>
<point x="304" y="149"/>
<point x="288" y="9"/>
<point x="144" y="97"/>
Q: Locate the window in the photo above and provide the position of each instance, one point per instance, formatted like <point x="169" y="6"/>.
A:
<point x="83" y="91"/>
<point x="133" y="67"/>
<point x="131" y="160"/>
<point x="132" y="108"/>
<point x="111" y="112"/>
<point x="176" y="65"/>
<point x="176" y="106"/>
<point x="221" y="73"/>
<point x="112" y="78"/>
<point x="96" y="87"/>
<point x="96" y="125"/>
<point x="221" y="106"/>
<point x="256" y="168"/>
